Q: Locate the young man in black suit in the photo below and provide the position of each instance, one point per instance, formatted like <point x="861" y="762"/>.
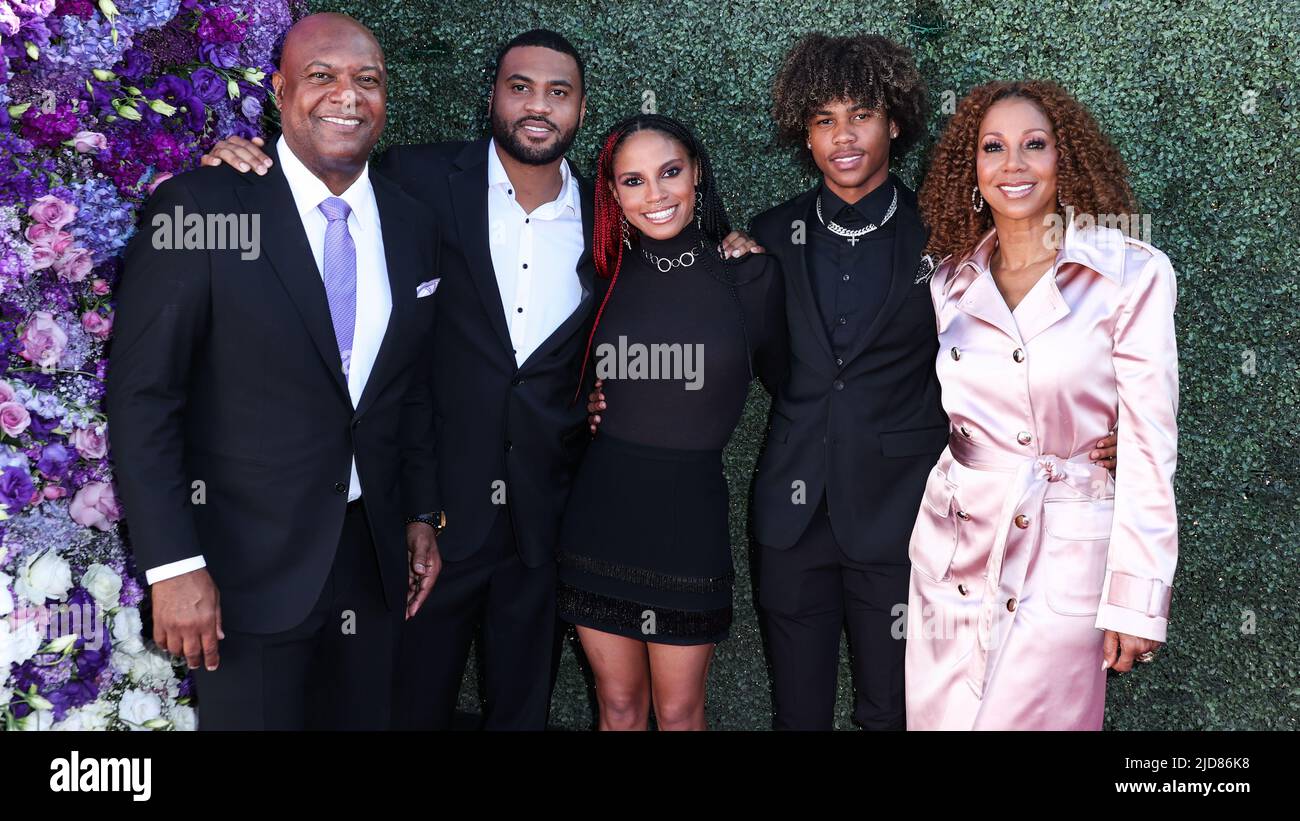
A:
<point x="858" y="425"/>
<point x="257" y="394"/>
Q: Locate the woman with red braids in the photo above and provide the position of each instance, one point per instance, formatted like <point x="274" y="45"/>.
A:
<point x="645" y="554"/>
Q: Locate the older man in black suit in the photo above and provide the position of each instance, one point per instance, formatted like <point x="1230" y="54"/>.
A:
<point x="261" y="408"/>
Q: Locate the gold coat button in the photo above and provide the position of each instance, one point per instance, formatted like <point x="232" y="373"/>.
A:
<point x="963" y="589"/>
<point x="1018" y="355"/>
<point x="1024" y="437"/>
<point x="956" y="354"/>
<point x="963" y="515"/>
<point x="1022" y="521"/>
<point x="1011" y="605"/>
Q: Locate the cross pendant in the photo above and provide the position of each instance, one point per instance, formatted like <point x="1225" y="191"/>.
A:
<point x="853" y="240"/>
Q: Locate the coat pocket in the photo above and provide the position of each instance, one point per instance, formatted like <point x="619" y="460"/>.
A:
<point x="934" y="537"/>
<point x="1076" y="541"/>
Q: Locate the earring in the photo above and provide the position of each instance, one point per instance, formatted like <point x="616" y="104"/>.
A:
<point x="627" y="237"/>
<point x="1058" y="198"/>
<point x="699" y="207"/>
<point x="976" y="199"/>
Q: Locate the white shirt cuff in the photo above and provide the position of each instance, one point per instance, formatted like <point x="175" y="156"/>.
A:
<point x="172" y="569"/>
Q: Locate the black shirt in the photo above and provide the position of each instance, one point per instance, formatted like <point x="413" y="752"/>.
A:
<point x="671" y="346"/>
<point x="850" y="279"/>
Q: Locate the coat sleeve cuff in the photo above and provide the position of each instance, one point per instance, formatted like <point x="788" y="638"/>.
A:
<point x="1134" y="605"/>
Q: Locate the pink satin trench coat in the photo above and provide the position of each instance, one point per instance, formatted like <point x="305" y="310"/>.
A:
<point x="1023" y="551"/>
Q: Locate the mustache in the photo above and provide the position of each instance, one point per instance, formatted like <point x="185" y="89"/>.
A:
<point x="535" y="120"/>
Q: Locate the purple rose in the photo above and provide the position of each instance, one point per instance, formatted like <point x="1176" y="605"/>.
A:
<point x="90" y="442"/>
<point x="251" y="108"/>
<point x="135" y="64"/>
<point x="75" y="265"/>
<point x="208" y="85"/>
<point x="221" y="55"/>
<point x="14" y="418"/>
<point x="43" y="340"/>
<point x="16" y="489"/>
<point x="88" y="141"/>
<point x="95" y="505"/>
<point x="52" y="211"/>
<point x="97" y="324"/>
<point x="55" y="460"/>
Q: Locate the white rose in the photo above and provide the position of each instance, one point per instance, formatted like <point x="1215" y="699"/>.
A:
<point x="184" y="719"/>
<point x="93" y="717"/>
<point x="128" y="630"/>
<point x="6" y="598"/>
<point x="137" y="707"/>
<point x="47" y="576"/>
<point x="17" y="643"/>
<point x="102" y="582"/>
<point x="37" y="720"/>
<point x="151" y="669"/>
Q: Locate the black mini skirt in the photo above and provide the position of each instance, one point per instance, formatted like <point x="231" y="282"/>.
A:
<point x="645" y="551"/>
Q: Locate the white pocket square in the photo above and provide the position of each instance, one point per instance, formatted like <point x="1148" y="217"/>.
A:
<point x="427" y="288"/>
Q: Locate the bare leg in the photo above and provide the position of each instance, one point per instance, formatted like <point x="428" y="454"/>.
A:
<point x="622" y="672"/>
<point x="677" y="676"/>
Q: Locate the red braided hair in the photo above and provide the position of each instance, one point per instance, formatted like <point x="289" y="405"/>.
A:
<point x="606" y="237"/>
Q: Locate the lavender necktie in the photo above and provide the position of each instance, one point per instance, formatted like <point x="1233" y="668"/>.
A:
<point x="340" y="274"/>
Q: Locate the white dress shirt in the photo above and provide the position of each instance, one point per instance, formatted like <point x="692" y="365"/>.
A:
<point x="535" y="256"/>
<point x="374" y="299"/>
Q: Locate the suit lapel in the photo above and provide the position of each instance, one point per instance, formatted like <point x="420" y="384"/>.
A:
<point x="287" y="249"/>
<point x="469" y="192"/>
<point x="794" y="261"/>
<point x="401" y="257"/>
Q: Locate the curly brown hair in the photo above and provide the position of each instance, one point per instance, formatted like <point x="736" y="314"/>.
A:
<point x="865" y="68"/>
<point x="1091" y="177"/>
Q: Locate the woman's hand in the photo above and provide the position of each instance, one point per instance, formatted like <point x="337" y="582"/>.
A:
<point x="1119" y="650"/>
<point x="1104" y="455"/>
<point x="595" y="404"/>
<point x="240" y="153"/>
<point x="737" y="244"/>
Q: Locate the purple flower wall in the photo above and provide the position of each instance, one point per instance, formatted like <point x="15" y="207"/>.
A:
<point x="99" y="102"/>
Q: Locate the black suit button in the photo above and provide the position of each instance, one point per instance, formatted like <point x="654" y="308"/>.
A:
<point x="839" y="384"/>
<point x="517" y="381"/>
<point x="509" y="445"/>
<point x="356" y="423"/>
<point x="340" y="487"/>
<point x="839" y="361"/>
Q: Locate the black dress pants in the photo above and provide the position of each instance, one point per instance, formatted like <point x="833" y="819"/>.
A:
<point x="515" y="605"/>
<point x="332" y="672"/>
<point x="808" y="595"/>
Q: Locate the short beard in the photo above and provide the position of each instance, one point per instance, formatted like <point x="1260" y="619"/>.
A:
<point x="516" y="148"/>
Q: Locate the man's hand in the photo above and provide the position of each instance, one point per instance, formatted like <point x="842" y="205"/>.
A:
<point x="240" y="153"/>
<point x="595" y="404"/>
<point x="737" y="244"/>
<point x="187" y="618"/>
<point x="1104" y="455"/>
<point x="426" y="564"/>
<point x="1118" y="650"/>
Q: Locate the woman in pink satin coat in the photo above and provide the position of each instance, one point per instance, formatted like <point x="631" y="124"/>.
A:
<point x="1033" y="570"/>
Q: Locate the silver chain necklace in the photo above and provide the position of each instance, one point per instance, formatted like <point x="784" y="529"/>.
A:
<point x="684" y="260"/>
<point x="852" y="236"/>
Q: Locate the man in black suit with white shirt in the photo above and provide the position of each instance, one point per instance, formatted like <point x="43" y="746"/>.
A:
<point x="281" y="388"/>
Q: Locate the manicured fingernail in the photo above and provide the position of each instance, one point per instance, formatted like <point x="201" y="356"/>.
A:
<point x="243" y="166"/>
<point x="1105" y="664"/>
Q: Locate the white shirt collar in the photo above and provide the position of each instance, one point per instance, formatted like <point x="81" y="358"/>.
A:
<point x="497" y="178"/>
<point x="309" y="191"/>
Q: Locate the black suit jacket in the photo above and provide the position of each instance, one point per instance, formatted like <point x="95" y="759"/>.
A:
<point x="225" y="371"/>
<point x="866" y="433"/>
<point x="503" y="432"/>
